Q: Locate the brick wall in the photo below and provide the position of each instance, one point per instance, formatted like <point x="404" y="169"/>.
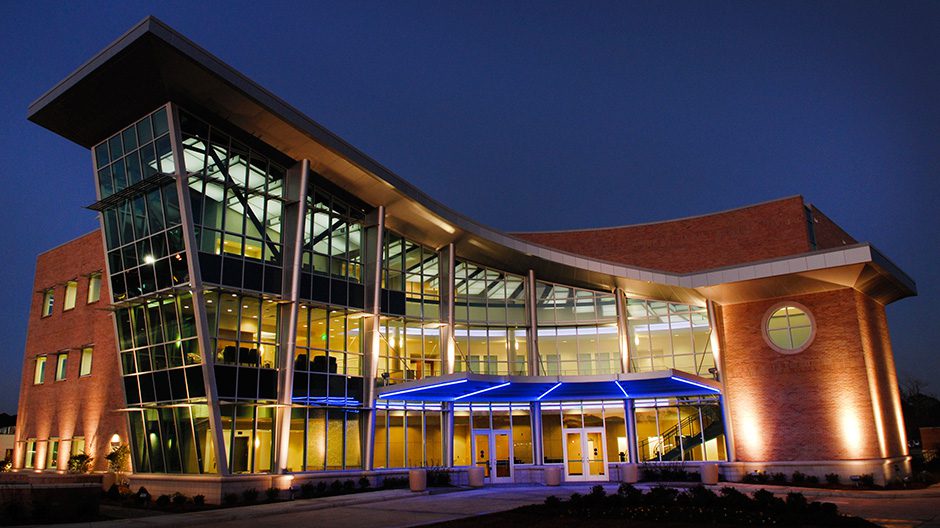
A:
<point x="817" y="404"/>
<point x="828" y="233"/>
<point x="77" y="406"/>
<point x="758" y="232"/>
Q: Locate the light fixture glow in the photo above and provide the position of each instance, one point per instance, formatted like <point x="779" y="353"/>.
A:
<point x="481" y="391"/>
<point x="713" y="389"/>
<point x="546" y="393"/>
<point x="148" y="259"/>
<point x="619" y="386"/>
<point x="416" y="389"/>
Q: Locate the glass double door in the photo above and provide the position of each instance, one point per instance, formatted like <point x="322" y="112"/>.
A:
<point x="585" y="454"/>
<point x="492" y="451"/>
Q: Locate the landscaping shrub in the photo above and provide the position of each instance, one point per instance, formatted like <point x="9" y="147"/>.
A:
<point x="832" y="478"/>
<point x="798" y="477"/>
<point x="163" y="502"/>
<point x="114" y="492"/>
<point x="438" y="477"/>
<point x="394" y="482"/>
<point x="349" y="486"/>
<point x="272" y="494"/>
<point x="868" y="480"/>
<point x="698" y="505"/>
<point x="668" y="473"/>
<point x="199" y="500"/>
<point x="812" y="480"/>
<point x="142" y="496"/>
<point x="364" y="483"/>
<point x="336" y="487"/>
<point x="179" y="499"/>
<point x="250" y="495"/>
<point x="308" y="490"/>
<point x="118" y="458"/>
<point x="778" y="478"/>
<point x="80" y="463"/>
<point x="756" y="477"/>
<point x="230" y="499"/>
<point x="321" y="488"/>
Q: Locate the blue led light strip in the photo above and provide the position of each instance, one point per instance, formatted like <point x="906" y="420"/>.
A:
<point x="544" y="394"/>
<point x="713" y="389"/>
<point x="481" y="391"/>
<point x="619" y="386"/>
<point x="426" y="387"/>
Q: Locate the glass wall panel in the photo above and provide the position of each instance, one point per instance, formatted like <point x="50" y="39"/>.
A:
<point x="680" y="429"/>
<point x="577" y="331"/>
<point x="667" y="335"/>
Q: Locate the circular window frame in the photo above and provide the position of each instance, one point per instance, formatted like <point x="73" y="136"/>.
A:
<point x="766" y="320"/>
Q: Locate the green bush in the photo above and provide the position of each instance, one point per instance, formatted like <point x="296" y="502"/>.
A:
<point x="163" y="502"/>
<point x="697" y="505"/>
<point x="321" y="488"/>
<point x="394" y="482"/>
<point x="179" y="499"/>
<point x="80" y="463"/>
<point x="230" y="499"/>
<point x="308" y="490"/>
<point x="250" y="495"/>
<point x="272" y="494"/>
<point x="336" y="487"/>
<point x="199" y="500"/>
<point x="778" y="478"/>
<point x="798" y="477"/>
<point x="364" y="483"/>
<point x="868" y="480"/>
<point x="349" y="486"/>
<point x="118" y="458"/>
<point x="832" y="478"/>
<point x="438" y="477"/>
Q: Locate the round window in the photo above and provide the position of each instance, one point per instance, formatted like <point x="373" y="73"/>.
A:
<point x="789" y="328"/>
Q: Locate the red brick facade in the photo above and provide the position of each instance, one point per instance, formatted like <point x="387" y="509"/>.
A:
<point x="758" y="232"/>
<point x="836" y="400"/>
<point x="78" y="406"/>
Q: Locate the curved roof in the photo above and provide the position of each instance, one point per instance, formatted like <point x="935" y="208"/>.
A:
<point x="152" y="64"/>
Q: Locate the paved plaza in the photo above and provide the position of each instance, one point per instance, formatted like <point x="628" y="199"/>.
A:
<point x="402" y="508"/>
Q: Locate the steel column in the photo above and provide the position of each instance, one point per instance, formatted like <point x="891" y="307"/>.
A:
<point x="373" y="245"/>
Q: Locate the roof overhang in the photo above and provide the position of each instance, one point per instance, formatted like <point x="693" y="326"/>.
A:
<point x="152" y="64"/>
<point x="470" y="388"/>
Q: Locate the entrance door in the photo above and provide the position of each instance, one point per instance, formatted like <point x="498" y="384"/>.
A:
<point x="585" y="454"/>
<point x="493" y="452"/>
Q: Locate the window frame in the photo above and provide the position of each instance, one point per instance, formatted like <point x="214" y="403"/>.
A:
<point x="92" y="279"/>
<point x="61" y="366"/>
<point x="39" y="376"/>
<point x="48" y="302"/>
<point x="82" y="372"/>
<point x="71" y="295"/>
<point x="765" y="330"/>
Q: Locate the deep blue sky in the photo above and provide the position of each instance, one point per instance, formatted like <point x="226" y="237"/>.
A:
<point x="532" y="116"/>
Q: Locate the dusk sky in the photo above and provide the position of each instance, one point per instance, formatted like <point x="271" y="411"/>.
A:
<point x="543" y="115"/>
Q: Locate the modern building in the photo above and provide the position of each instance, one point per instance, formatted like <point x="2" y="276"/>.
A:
<point x="280" y="303"/>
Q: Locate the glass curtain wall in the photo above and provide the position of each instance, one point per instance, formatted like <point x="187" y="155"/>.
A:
<point x="577" y="331"/>
<point x="408" y="435"/>
<point x="680" y="429"/>
<point x="410" y="343"/>
<point x="236" y="192"/>
<point x="328" y="382"/>
<point x="666" y="335"/>
<point x="160" y="358"/>
<point x="490" y="320"/>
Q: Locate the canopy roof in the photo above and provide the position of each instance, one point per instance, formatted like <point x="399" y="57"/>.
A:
<point x="464" y="387"/>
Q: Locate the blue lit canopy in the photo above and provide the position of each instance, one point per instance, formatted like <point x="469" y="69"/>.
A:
<point x="464" y="387"/>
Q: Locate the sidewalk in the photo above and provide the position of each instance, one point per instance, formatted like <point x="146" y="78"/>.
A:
<point x="403" y="508"/>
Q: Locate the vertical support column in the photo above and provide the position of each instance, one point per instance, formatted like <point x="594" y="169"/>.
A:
<point x="532" y="337"/>
<point x="199" y="300"/>
<point x="715" y="326"/>
<point x="629" y="419"/>
<point x="373" y="244"/>
<point x="623" y="330"/>
<point x="295" y="190"/>
<point x="446" y="263"/>
<point x="535" y="414"/>
<point x="447" y="419"/>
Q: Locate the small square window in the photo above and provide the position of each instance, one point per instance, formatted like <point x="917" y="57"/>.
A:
<point x="71" y="290"/>
<point x="48" y="301"/>
<point x="94" y="287"/>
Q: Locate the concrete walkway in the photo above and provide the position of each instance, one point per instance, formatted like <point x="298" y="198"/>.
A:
<point x="402" y="508"/>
